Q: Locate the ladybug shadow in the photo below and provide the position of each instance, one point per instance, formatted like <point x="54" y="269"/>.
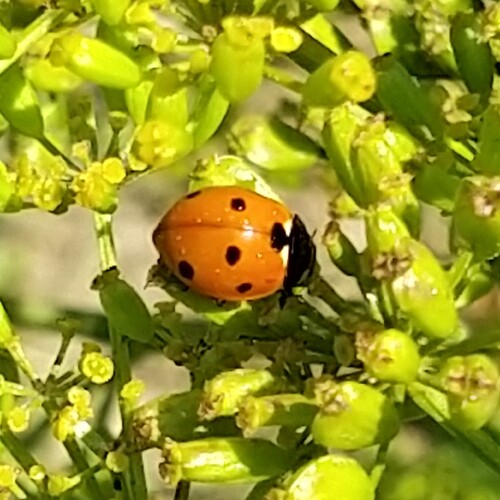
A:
<point x="159" y="276"/>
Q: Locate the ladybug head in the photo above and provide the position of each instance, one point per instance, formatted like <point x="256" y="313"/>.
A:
<point x="302" y="255"/>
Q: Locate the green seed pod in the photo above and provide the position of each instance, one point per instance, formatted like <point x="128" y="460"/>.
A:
<point x="218" y="460"/>
<point x="168" y="100"/>
<point x="292" y="410"/>
<point x="324" y="478"/>
<point x="374" y="163"/>
<point x="418" y="283"/>
<point x="111" y="11"/>
<point x="19" y="103"/>
<point x="160" y="144"/>
<point x="338" y="134"/>
<point x="404" y="99"/>
<point x="353" y="416"/>
<point x="237" y="70"/>
<point x="8" y="43"/>
<point x="209" y="111"/>
<point x="224" y="393"/>
<point x="472" y="385"/>
<point x="346" y="77"/>
<point x="49" y="78"/>
<point x="389" y="356"/>
<point x="271" y="144"/>
<point x="473" y="54"/>
<point x="95" y="61"/>
<point x="125" y="310"/>
<point x="341" y="251"/>
<point x="476" y="219"/>
<point x="487" y="159"/>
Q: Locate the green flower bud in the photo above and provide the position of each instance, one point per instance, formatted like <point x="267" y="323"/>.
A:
<point x="168" y="100"/>
<point x="472" y="385"/>
<point x="117" y="462"/>
<point x="125" y="310"/>
<point x="8" y="476"/>
<point x="159" y="143"/>
<point x="347" y="77"/>
<point x="242" y="31"/>
<point x="389" y="356"/>
<point x="341" y="250"/>
<point x="95" y="61"/>
<point x="93" y="191"/>
<point x="19" y="103"/>
<point x="224" y="393"/>
<point x="476" y="219"/>
<point x="292" y="410"/>
<point x="49" y="78"/>
<point x="217" y="460"/>
<point x="418" y="283"/>
<point x="57" y="485"/>
<point x="111" y="11"/>
<point x="18" y="419"/>
<point x="37" y="473"/>
<point x="286" y="39"/>
<point x="237" y="70"/>
<point x="324" y="478"/>
<point x="132" y="391"/>
<point x="48" y="193"/>
<point x="63" y="427"/>
<point x="352" y="416"/>
<point x="271" y="144"/>
<point x="8" y="43"/>
<point x="97" y="368"/>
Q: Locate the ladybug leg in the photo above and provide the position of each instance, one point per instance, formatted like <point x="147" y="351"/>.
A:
<point x="284" y="295"/>
<point x="220" y="303"/>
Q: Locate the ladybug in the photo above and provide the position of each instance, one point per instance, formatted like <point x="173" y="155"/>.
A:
<point x="231" y="244"/>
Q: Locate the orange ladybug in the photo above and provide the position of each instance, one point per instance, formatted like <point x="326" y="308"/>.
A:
<point x="230" y="243"/>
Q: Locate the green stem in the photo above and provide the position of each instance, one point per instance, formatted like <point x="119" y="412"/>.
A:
<point x="134" y="478"/>
<point x="36" y="30"/>
<point x="380" y="465"/>
<point x="107" y="253"/>
<point x="22" y="456"/>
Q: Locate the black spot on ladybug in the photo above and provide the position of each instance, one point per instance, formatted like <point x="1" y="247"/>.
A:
<point x="233" y="255"/>
<point x="193" y="194"/>
<point x="238" y="204"/>
<point x="244" y="287"/>
<point x="278" y="237"/>
<point x="186" y="270"/>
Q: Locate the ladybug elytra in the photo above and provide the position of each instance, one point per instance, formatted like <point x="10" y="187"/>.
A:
<point x="230" y="243"/>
